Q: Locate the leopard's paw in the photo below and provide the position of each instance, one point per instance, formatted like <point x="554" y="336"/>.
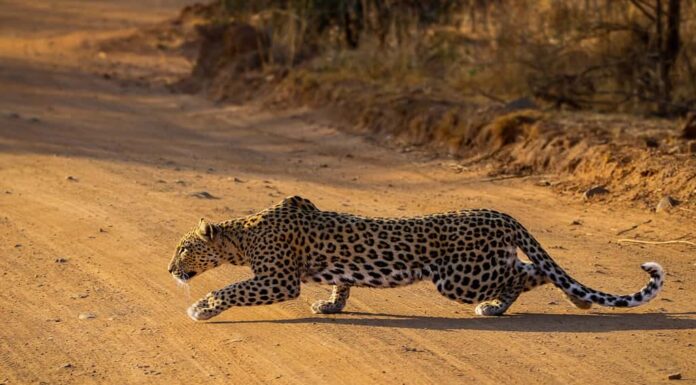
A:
<point x="579" y="303"/>
<point x="489" y="309"/>
<point x="202" y="310"/>
<point x="326" y="307"/>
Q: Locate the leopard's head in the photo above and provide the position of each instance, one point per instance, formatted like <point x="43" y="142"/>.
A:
<point x="198" y="251"/>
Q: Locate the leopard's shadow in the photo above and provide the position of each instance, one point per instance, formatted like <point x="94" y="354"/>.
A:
<point x="522" y="322"/>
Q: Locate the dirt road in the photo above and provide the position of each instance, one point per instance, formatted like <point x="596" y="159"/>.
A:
<point x="97" y="184"/>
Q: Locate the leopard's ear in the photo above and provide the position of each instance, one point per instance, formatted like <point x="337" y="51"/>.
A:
<point x="207" y="231"/>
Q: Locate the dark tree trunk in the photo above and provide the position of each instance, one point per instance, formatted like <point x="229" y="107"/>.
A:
<point x="670" y="50"/>
<point x="669" y="45"/>
<point x="352" y="22"/>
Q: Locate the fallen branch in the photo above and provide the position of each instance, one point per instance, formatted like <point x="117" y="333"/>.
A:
<point x="657" y="242"/>
<point x="633" y="227"/>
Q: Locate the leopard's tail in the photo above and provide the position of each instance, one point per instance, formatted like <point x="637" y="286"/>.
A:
<point x="575" y="289"/>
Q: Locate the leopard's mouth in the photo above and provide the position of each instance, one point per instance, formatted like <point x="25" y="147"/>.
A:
<point x="184" y="277"/>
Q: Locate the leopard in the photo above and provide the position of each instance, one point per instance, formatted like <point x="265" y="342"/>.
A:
<point x="470" y="255"/>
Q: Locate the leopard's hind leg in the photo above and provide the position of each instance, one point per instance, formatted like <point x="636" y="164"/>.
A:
<point x="336" y="303"/>
<point x="508" y="295"/>
<point x="493" y="282"/>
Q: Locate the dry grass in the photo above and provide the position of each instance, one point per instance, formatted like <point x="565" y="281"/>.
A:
<point x="448" y="89"/>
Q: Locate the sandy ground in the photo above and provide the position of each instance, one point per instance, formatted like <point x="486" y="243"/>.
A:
<point x="96" y="180"/>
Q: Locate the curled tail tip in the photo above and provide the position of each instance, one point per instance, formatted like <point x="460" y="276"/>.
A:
<point x="653" y="268"/>
<point x="647" y="293"/>
<point x="657" y="278"/>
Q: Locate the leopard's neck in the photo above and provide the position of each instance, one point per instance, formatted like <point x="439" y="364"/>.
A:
<point x="234" y="241"/>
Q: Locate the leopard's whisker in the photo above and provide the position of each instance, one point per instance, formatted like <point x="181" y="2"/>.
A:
<point x="183" y="284"/>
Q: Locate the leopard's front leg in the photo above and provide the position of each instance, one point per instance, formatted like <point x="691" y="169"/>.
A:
<point x="255" y="291"/>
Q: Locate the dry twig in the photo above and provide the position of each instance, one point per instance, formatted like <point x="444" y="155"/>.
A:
<point x="657" y="242"/>
<point x="633" y="227"/>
